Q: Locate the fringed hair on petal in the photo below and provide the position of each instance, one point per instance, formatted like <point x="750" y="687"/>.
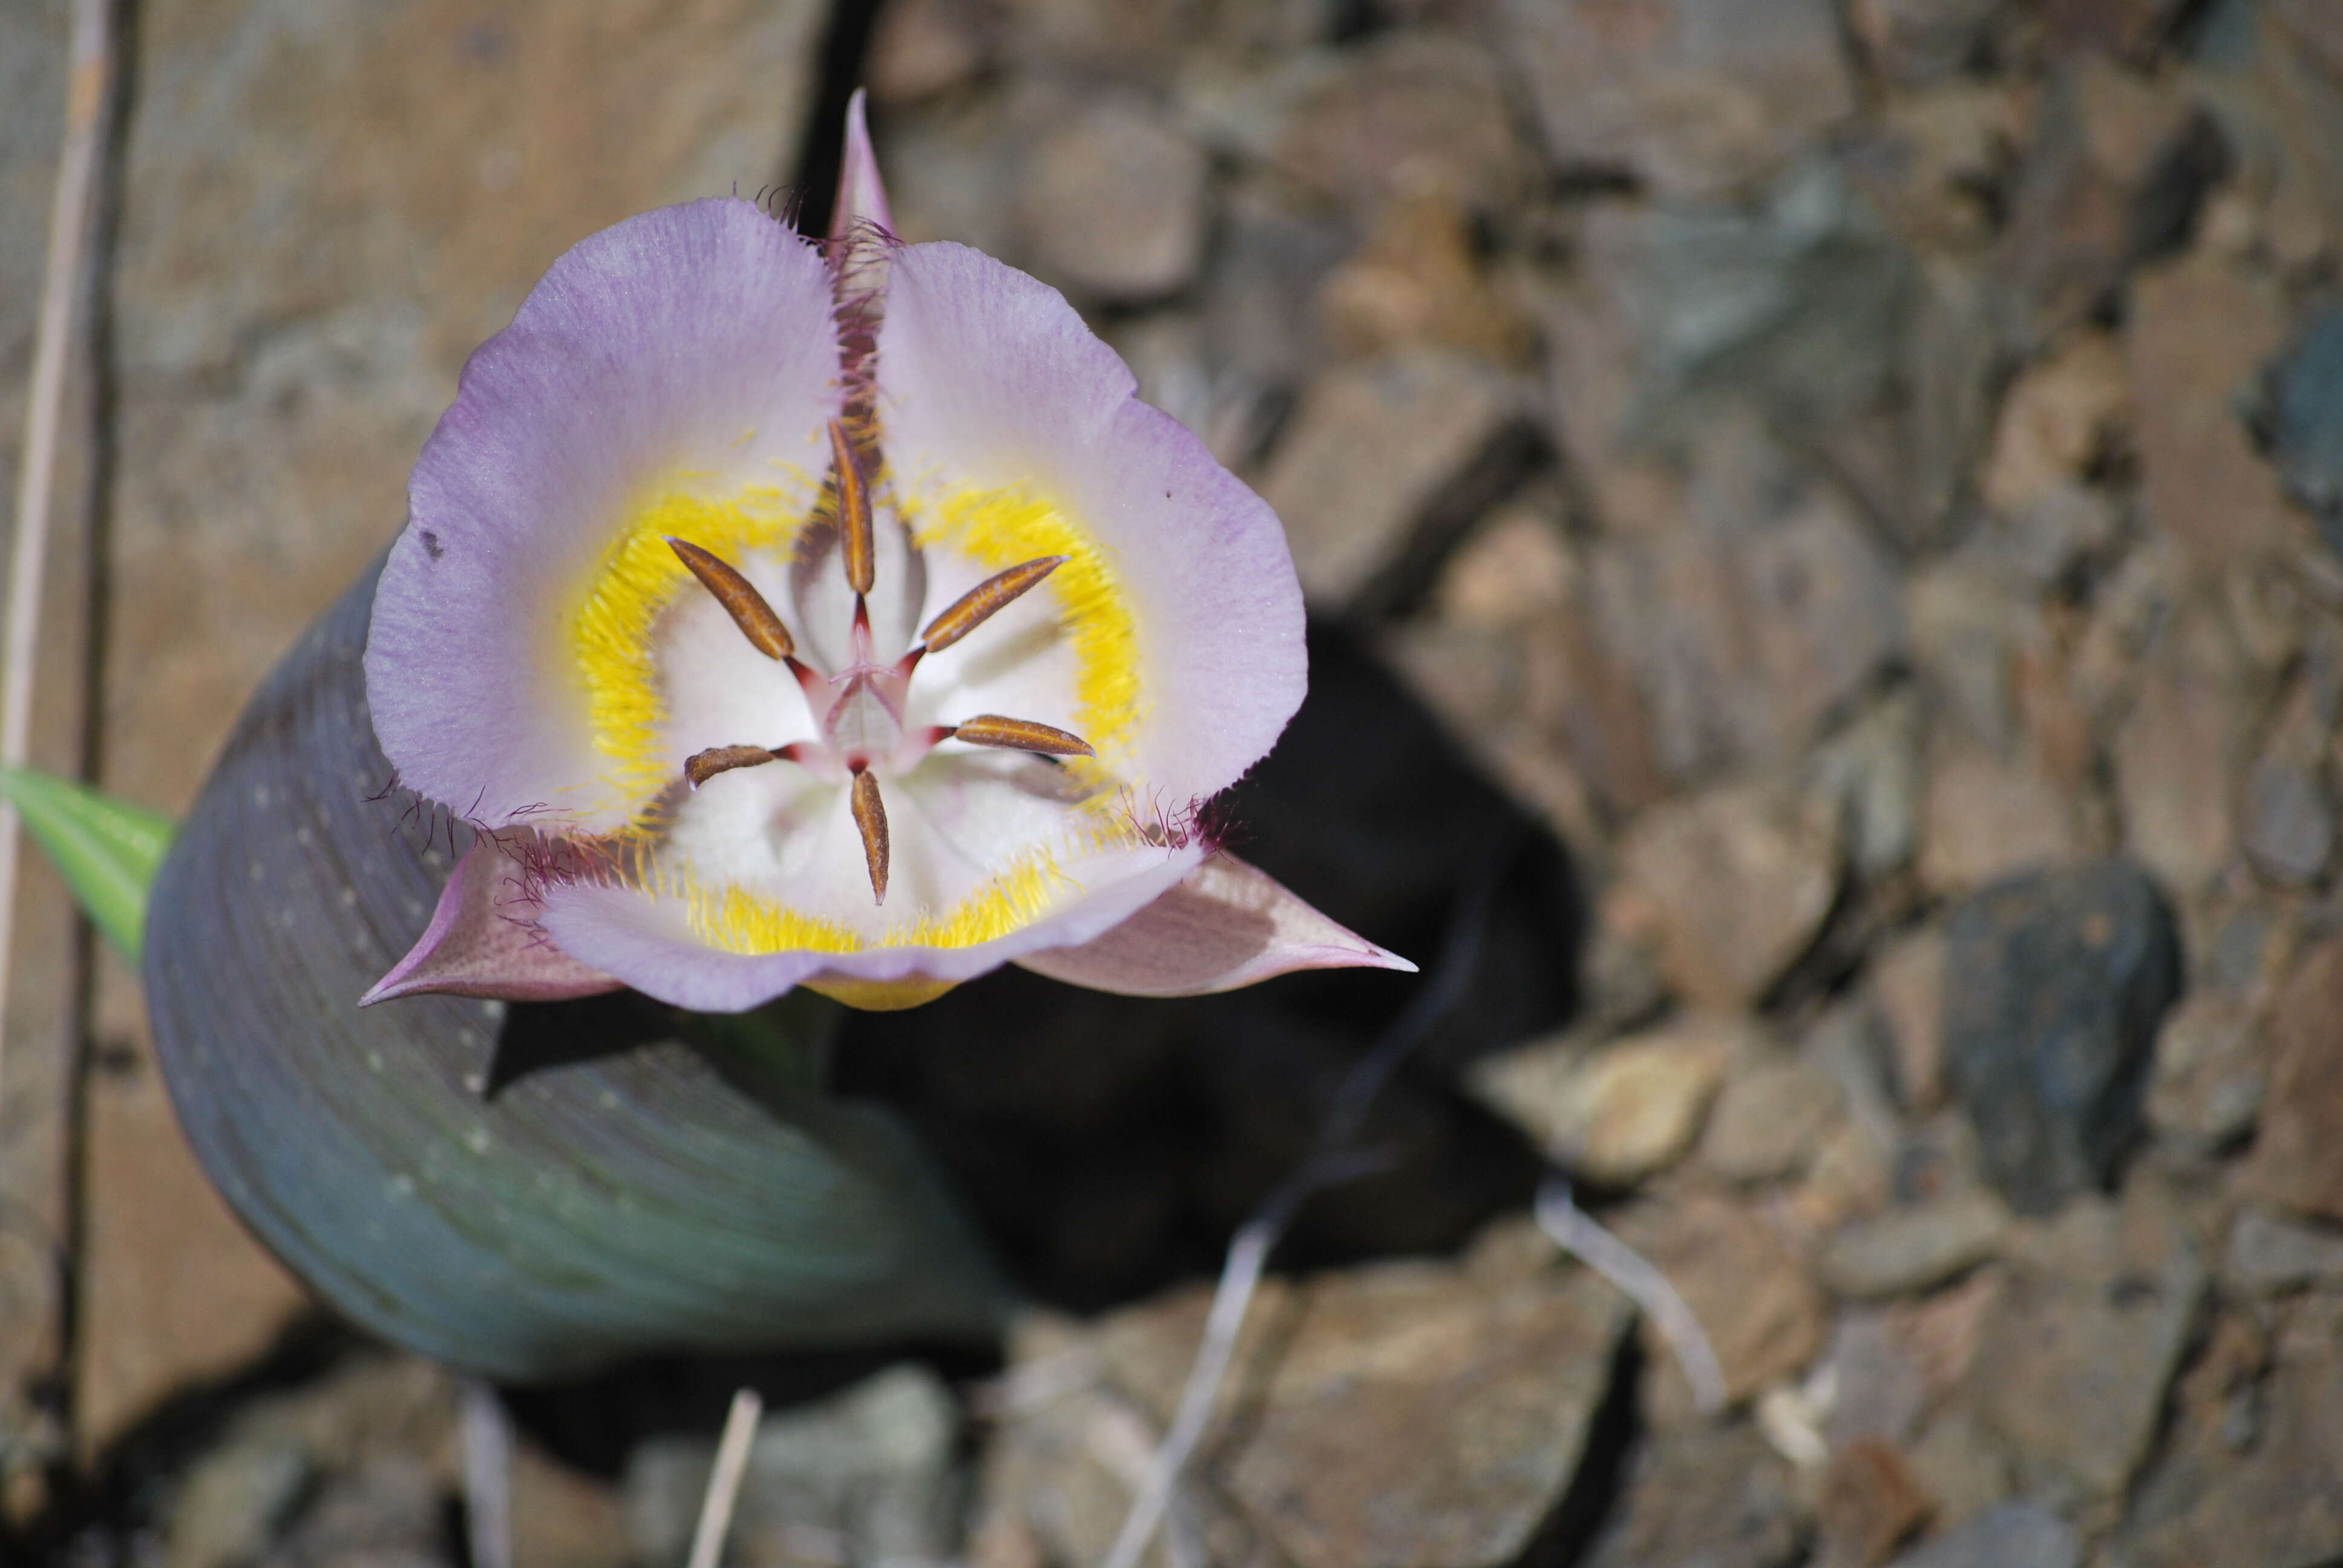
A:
<point x="1207" y="824"/>
<point x="858" y="261"/>
<point x="546" y="860"/>
<point x="784" y="204"/>
<point x="437" y="821"/>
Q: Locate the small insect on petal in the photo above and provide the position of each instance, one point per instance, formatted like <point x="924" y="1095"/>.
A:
<point x="871" y="821"/>
<point x="979" y="604"/>
<point x="855" y="548"/>
<point x="703" y="766"/>
<point x="739" y="596"/>
<point x="1021" y="734"/>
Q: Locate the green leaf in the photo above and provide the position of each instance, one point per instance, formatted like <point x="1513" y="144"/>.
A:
<point x="107" y="849"/>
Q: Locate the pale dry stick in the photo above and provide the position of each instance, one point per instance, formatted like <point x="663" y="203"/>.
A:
<point x="724" y="1481"/>
<point x="1330" y="1163"/>
<point x="487" y="1434"/>
<point x="1575" y="1231"/>
<point x="90" y="75"/>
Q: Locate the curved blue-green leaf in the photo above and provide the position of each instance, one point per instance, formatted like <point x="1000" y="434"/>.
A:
<point x="523" y="1191"/>
<point x="107" y="850"/>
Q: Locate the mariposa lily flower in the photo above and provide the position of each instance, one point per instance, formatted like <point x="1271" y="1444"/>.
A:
<point x="789" y="613"/>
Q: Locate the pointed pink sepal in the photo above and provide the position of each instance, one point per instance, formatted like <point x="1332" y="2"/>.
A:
<point x="484" y="941"/>
<point x="861" y="195"/>
<point x="1227" y="924"/>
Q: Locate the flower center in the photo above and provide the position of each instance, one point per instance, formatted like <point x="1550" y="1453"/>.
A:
<point x="860" y="708"/>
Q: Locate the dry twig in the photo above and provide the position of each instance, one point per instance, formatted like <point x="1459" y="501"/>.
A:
<point x="1575" y="1231"/>
<point x="487" y="1430"/>
<point x="724" y="1481"/>
<point x="91" y="73"/>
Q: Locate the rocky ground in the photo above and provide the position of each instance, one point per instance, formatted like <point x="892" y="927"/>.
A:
<point x="1822" y="518"/>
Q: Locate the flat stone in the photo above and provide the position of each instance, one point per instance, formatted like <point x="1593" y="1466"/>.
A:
<point x="1142" y="40"/>
<point x="1739" y="883"/>
<point x="1770" y="1118"/>
<point x="391" y="1510"/>
<point x="869" y="1474"/>
<point x="1911" y="42"/>
<point x="2289" y="824"/>
<point x="1950" y="361"/>
<point x="1758" y="616"/>
<point x="1803" y="298"/>
<point x="2064" y="976"/>
<point x="1879" y="1387"/>
<point x="1114" y="203"/>
<point x="921" y="49"/>
<point x="235" y="1503"/>
<point x="1907" y="1250"/>
<point x="1908" y="978"/>
<point x="1420" y="278"/>
<point x="1269" y="258"/>
<point x="1702" y="1497"/>
<point x="2298" y="1157"/>
<point x="2079" y="1349"/>
<point x="1415" y="1420"/>
<point x="1971" y="627"/>
<point x="1373" y="448"/>
<point x="2171" y="778"/>
<point x="1624" y="1112"/>
<point x="1509" y="665"/>
<point x="2270" y="1253"/>
<point x="564" y="1518"/>
<point x="2059" y="420"/>
<point x="2012" y="1535"/>
<point x="1871" y="1505"/>
<point x="2118" y="164"/>
<point x="1961" y="1465"/>
<point x="2046" y="539"/>
<point x="954" y="166"/>
<point x="2199" y="332"/>
<point x="2301" y="422"/>
<point x="1399" y="1413"/>
<point x="354" y="1458"/>
<point x="2271" y="1498"/>
<point x="1985" y="816"/>
<point x="1402" y="113"/>
<point x="1745" y="1282"/>
<point x="2211" y="1074"/>
<point x="1687" y="96"/>
<point x="2128" y="29"/>
<point x="1872" y="770"/>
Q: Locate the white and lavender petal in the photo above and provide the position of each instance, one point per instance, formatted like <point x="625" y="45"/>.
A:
<point x="648" y="944"/>
<point x="1225" y="925"/>
<point x="988" y="380"/>
<point x="689" y="347"/>
<point x="484" y="941"/>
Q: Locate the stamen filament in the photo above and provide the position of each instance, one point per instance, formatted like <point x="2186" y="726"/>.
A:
<point x="703" y="766"/>
<point x="979" y="604"/>
<point x="739" y="596"/>
<point x="871" y="821"/>
<point x="855" y="548"/>
<point x="1020" y="735"/>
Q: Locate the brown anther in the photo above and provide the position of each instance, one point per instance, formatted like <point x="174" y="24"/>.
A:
<point x="853" y="512"/>
<point x="871" y="819"/>
<point x="979" y="604"/>
<point x="703" y="766"/>
<point x="739" y="597"/>
<point x="1021" y="734"/>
